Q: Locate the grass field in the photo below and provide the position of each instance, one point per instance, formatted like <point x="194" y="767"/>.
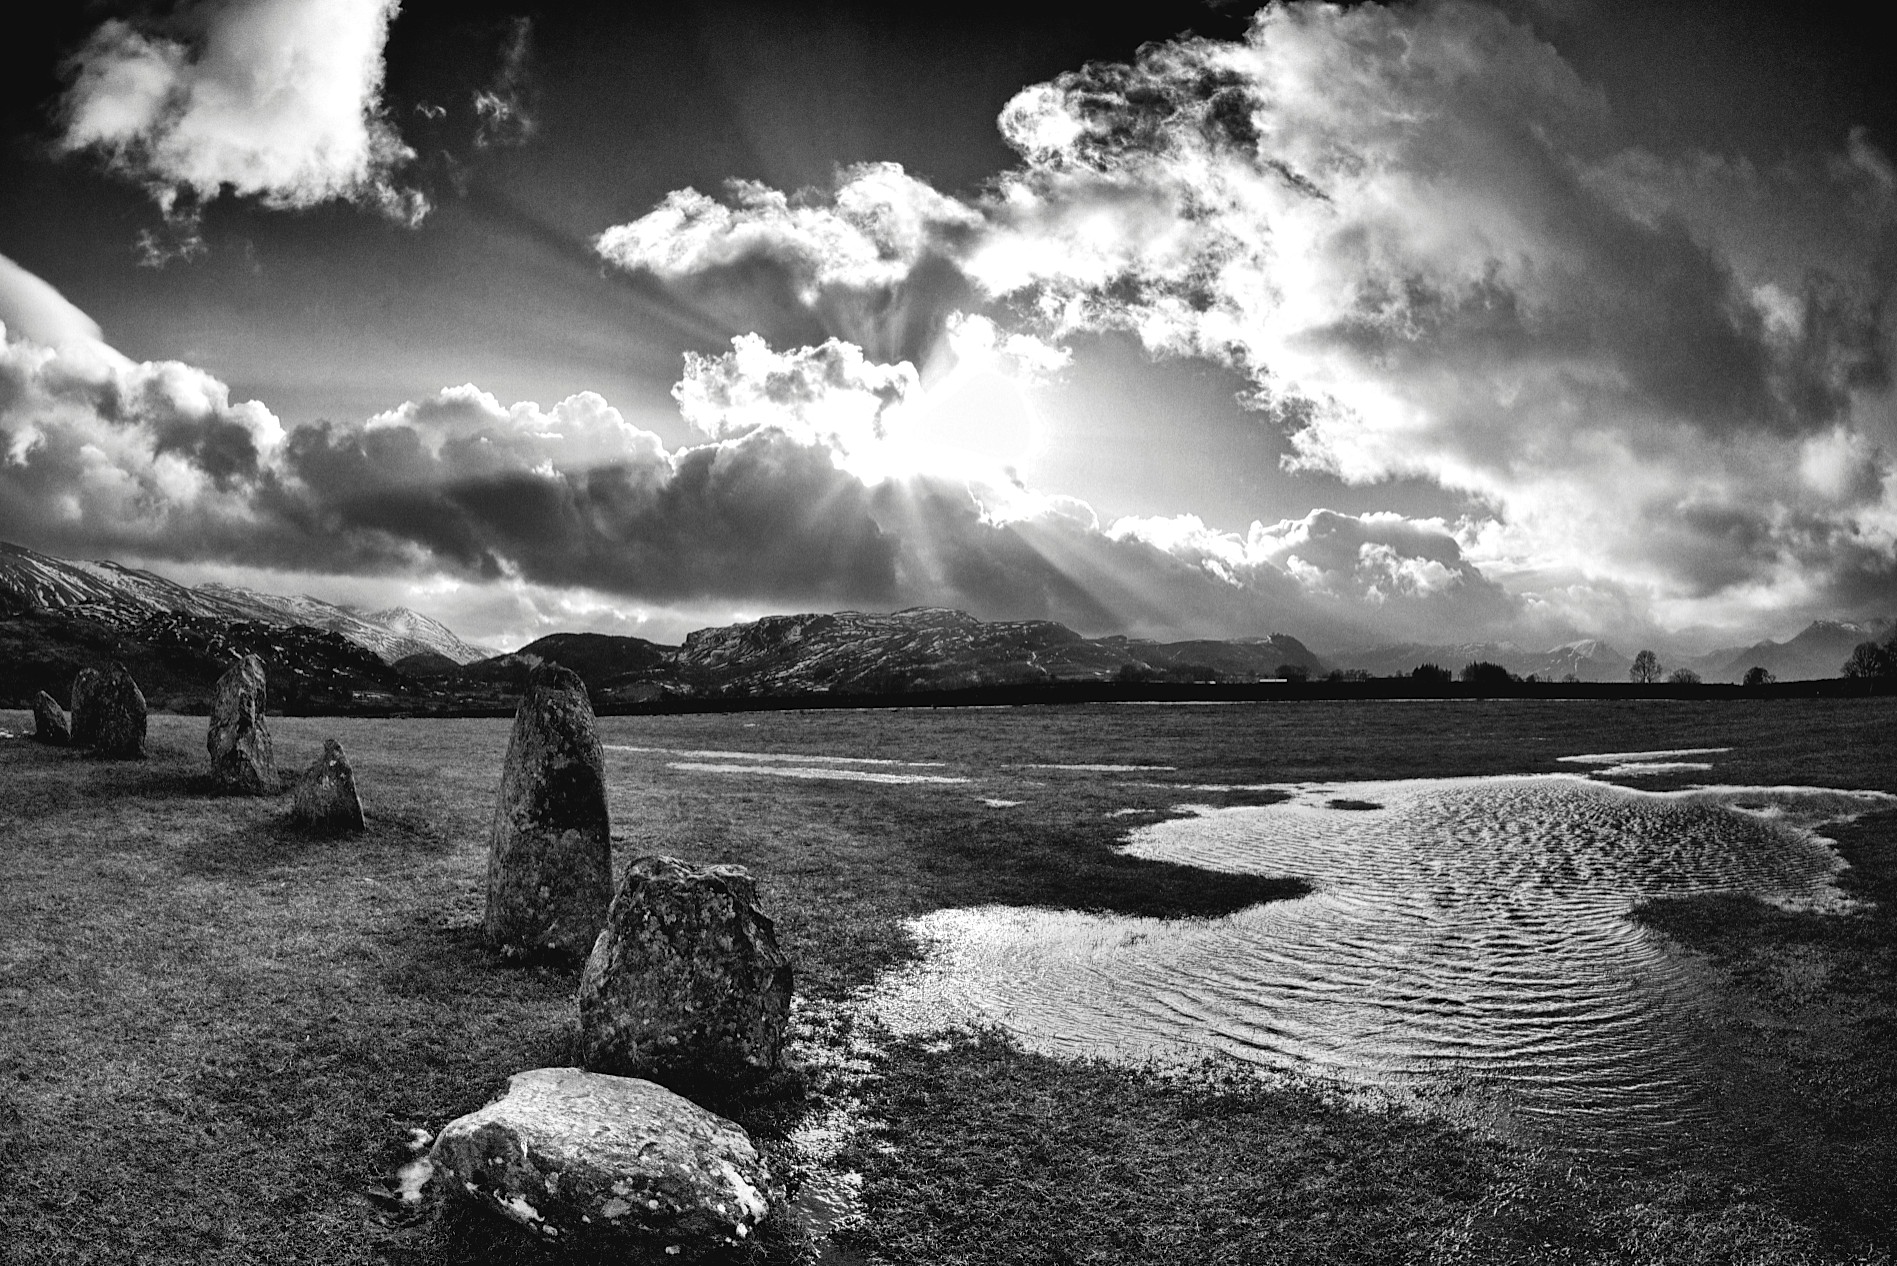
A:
<point x="216" y="1032"/>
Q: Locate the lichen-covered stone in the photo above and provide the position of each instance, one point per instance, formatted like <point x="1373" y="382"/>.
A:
<point x="85" y="713"/>
<point x="611" y="1162"/>
<point x="120" y="705"/>
<point x="549" y="869"/>
<point x="238" y="740"/>
<point x="326" y="796"/>
<point x="686" y="985"/>
<point x="49" y="721"/>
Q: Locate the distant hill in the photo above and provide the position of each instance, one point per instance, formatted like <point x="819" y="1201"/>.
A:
<point x="604" y="662"/>
<point x="1819" y="650"/>
<point x="124" y="597"/>
<point x="1204" y="659"/>
<point x="177" y="659"/>
<point x="868" y="653"/>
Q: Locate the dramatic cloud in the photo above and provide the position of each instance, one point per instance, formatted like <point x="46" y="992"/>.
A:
<point x="274" y="99"/>
<point x="96" y="448"/>
<point x="818" y="488"/>
<point x="871" y="262"/>
<point x="1419" y="233"/>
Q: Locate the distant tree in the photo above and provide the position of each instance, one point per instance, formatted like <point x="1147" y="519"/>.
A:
<point x="1869" y="659"/>
<point x="1356" y="674"/>
<point x="1570" y="679"/>
<point x="1294" y="672"/>
<point x="1683" y="677"/>
<point x="1484" y="674"/>
<point x="1434" y="674"/>
<point x="1757" y="676"/>
<point x="1646" y="669"/>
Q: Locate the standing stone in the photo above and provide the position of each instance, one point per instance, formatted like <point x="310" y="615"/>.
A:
<point x="326" y="793"/>
<point x="85" y="712"/>
<point x="610" y="1163"/>
<point x="121" y="708"/>
<point x="549" y="866"/>
<point x="687" y="985"/>
<point x="239" y="738"/>
<point x="49" y="723"/>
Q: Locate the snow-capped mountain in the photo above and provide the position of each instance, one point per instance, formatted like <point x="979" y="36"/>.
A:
<point x="127" y="596"/>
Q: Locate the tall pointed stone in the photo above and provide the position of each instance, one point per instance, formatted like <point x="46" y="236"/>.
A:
<point x="120" y="705"/>
<point x="549" y="868"/>
<point x="49" y="723"/>
<point x="326" y="797"/>
<point x="238" y="741"/>
<point x="85" y="712"/>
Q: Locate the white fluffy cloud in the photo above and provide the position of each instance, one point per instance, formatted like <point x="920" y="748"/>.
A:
<point x="527" y="516"/>
<point x="274" y="99"/>
<point x="1416" y="229"/>
<point x="1421" y="235"/>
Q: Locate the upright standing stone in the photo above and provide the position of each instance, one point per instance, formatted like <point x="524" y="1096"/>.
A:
<point x="85" y="711"/>
<point x="549" y="866"/>
<point x="239" y="738"/>
<point x="121" y="709"/>
<point x="49" y="723"/>
<point x="686" y="986"/>
<point x="326" y="793"/>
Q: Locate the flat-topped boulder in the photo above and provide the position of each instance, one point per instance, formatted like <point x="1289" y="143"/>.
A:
<point x="120" y="707"/>
<point x="549" y="870"/>
<point x="242" y="759"/>
<point x="326" y="798"/>
<point x="49" y="721"/>
<point x="85" y="714"/>
<point x="610" y="1162"/>
<point x="686" y="985"/>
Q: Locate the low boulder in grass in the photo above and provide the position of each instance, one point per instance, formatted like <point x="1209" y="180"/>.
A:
<point x="85" y="712"/>
<point x="242" y="759"/>
<point x="120" y="705"/>
<point x="549" y="868"/>
<point x="326" y="798"/>
<point x="49" y="721"/>
<point x="686" y="985"/>
<point x="608" y="1162"/>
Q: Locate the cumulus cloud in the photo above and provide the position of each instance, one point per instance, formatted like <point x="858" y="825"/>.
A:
<point x="1417" y="231"/>
<point x="526" y="510"/>
<point x="274" y="99"/>
<point x="1420" y="234"/>
<point x="870" y="260"/>
<point x="98" y="449"/>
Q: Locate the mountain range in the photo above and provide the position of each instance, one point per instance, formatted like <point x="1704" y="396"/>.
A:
<point x="57" y="615"/>
<point x="125" y="597"/>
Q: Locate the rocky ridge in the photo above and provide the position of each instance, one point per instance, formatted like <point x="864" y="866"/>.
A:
<point x="126" y="597"/>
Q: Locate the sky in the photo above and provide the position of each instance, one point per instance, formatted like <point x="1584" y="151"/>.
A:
<point x="1523" y="320"/>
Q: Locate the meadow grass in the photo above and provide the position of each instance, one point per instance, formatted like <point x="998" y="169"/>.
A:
<point x="216" y="1031"/>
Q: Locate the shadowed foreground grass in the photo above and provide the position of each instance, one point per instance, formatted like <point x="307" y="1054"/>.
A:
<point x="216" y="1032"/>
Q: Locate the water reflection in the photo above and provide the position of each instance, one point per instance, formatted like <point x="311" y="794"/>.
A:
<point x="1456" y="926"/>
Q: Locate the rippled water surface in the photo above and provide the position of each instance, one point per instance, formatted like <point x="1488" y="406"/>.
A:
<point x="1461" y="926"/>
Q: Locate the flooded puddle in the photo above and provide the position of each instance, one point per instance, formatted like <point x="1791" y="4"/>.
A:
<point x="1457" y="927"/>
<point x="833" y="773"/>
<point x="794" y="758"/>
